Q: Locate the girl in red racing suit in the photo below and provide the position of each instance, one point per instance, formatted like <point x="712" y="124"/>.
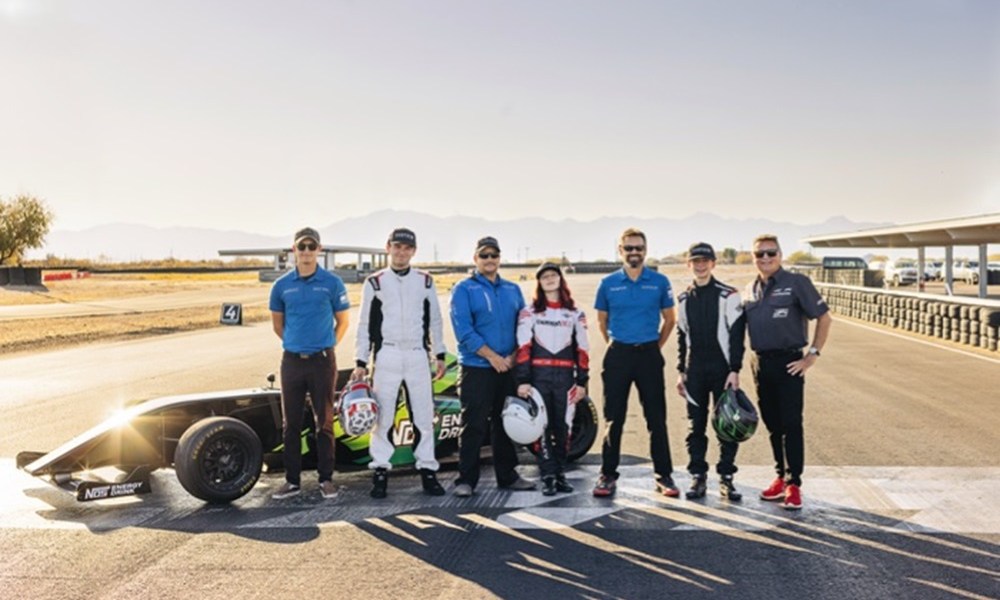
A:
<point x="552" y="357"/>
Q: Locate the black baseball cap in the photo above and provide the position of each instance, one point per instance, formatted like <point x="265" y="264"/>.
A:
<point x="547" y="266"/>
<point x="701" y="250"/>
<point x="487" y="242"/>
<point x="403" y="236"/>
<point x="306" y="232"/>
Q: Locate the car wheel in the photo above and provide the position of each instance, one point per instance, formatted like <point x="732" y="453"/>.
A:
<point x="218" y="459"/>
<point x="584" y="431"/>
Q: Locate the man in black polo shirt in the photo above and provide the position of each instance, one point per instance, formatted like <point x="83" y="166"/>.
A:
<point x="779" y="305"/>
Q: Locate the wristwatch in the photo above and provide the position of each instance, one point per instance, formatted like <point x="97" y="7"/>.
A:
<point x="814" y="351"/>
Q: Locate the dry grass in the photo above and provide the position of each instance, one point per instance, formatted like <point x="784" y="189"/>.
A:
<point x="106" y="287"/>
<point x="46" y="334"/>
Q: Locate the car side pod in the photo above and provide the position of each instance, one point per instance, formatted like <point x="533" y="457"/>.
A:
<point x="92" y="488"/>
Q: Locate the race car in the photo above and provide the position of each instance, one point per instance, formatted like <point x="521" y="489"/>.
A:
<point x="218" y="443"/>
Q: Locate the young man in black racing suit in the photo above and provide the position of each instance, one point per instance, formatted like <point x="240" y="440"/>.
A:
<point x="552" y="356"/>
<point x="710" y="331"/>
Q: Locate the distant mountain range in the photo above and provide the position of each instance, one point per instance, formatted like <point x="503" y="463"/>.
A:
<point x="444" y="239"/>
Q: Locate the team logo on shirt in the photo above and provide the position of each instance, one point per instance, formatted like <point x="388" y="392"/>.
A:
<point x="780" y="313"/>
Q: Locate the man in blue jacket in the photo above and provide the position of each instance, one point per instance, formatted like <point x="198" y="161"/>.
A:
<point x="484" y="311"/>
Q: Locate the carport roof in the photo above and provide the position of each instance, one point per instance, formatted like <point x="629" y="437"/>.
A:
<point x="966" y="231"/>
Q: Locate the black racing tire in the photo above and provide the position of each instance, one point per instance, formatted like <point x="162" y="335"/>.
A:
<point x="584" y="432"/>
<point x="582" y="435"/>
<point x="218" y="459"/>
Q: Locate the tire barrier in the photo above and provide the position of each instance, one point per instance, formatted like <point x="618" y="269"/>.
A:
<point x="966" y="321"/>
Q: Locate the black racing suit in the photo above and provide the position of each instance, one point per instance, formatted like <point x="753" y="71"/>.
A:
<point x="710" y="331"/>
<point x="552" y="355"/>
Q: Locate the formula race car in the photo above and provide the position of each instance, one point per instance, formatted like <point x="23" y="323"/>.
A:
<point x="219" y="443"/>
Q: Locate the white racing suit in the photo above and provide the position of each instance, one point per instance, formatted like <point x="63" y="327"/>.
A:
<point x="400" y="324"/>
<point x="552" y="355"/>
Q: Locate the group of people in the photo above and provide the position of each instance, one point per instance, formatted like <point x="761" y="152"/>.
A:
<point x="507" y="347"/>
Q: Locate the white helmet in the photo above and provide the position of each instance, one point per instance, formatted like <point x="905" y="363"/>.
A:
<point x="524" y="419"/>
<point x="358" y="409"/>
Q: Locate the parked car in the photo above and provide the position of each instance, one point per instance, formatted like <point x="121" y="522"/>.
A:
<point x="966" y="270"/>
<point x="844" y="262"/>
<point x="933" y="270"/>
<point x="902" y="271"/>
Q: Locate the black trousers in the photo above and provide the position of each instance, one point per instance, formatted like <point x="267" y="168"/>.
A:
<point x="482" y="392"/>
<point x="702" y="382"/>
<point x="781" y="398"/>
<point x="643" y="366"/>
<point x="554" y="384"/>
<point x="315" y="376"/>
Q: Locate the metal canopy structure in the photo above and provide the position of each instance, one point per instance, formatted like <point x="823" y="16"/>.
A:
<point x="367" y="260"/>
<point x="966" y="231"/>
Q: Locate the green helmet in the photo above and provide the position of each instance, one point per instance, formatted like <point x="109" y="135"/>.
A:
<point x="735" y="419"/>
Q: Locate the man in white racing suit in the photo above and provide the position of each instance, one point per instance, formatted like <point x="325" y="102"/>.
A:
<point x="400" y="322"/>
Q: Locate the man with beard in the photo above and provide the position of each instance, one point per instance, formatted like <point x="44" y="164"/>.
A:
<point x="635" y="313"/>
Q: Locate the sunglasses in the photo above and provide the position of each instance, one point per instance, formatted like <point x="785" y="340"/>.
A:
<point x="485" y="255"/>
<point x="309" y="247"/>
<point x="633" y="248"/>
<point x="763" y="253"/>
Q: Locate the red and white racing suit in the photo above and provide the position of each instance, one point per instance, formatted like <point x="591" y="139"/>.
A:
<point x="552" y="355"/>
<point x="400" y="323"/>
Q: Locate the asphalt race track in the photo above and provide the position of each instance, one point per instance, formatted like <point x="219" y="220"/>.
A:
<point x="900" y="495"/>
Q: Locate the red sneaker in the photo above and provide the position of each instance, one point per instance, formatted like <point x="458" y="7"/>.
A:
<point x="666" y="486"/>
<point x="793" y="498"/>
<point x="605" y="486"/>
<point x="775" y="492"/>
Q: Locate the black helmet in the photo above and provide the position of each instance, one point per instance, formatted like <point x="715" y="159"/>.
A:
<point x="735" y="419"/>
<point x="547" y="266"/>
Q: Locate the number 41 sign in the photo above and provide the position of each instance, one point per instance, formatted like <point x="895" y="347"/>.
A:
<point x="232" y="314"/>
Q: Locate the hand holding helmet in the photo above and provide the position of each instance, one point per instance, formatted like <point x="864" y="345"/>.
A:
<point x="358" y="409"/>
<point x="525" y="419"/>
<point x="735" y="419"/>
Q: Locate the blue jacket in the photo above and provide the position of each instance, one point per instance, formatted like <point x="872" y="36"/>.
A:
<point x="485" y="313"/>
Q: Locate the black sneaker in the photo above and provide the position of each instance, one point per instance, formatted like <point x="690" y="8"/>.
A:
<point x="380" y="481"/>
<point x="548" y="485"/>
<point x="728" y="490"/>
<point x="665" y="486"/>
<point x="563" y="486"/>
<point x="430" y="483"/>
<point x="698" y="487"/>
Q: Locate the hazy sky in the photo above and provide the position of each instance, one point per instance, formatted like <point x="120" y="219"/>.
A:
<point x="263" y="115"/>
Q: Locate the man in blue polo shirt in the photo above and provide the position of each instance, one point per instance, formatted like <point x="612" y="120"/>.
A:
<point x="484" y="311"/>
<point x="635" y="313"/>
<point x="309" y="312"/>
